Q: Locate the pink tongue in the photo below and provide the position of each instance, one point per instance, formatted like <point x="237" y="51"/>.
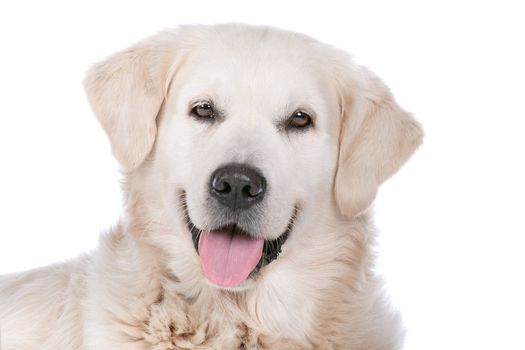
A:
<point x="228" y="258"/>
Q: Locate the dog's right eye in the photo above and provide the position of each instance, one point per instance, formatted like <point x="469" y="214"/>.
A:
<point x="203" y="111"/>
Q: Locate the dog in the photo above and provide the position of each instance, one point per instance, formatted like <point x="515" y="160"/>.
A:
<point x="250" y="156"/>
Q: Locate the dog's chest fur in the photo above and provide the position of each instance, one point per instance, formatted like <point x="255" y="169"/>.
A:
<point x="174" y="324"/>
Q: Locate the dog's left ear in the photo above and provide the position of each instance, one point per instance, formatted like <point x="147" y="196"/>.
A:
<point x="377" y="137"/>
<point x="126" y="92"/>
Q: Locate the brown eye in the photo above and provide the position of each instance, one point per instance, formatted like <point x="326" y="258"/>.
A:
<point x="203" y="110"/>
<point x="300" y="120"/>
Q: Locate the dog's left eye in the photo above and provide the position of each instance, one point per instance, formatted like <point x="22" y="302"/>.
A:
<point x="203" y="111"/>
<point x="300" y="120"/>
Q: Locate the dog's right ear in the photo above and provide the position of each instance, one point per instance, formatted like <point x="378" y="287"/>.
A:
<point x="126" y="92"/>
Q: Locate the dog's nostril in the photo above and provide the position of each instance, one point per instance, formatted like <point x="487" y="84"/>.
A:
<point x="221" y="186"/>
<point x="251" y="191"/>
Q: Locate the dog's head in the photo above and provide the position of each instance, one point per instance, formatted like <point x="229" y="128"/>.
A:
<point x="242" y="137"/>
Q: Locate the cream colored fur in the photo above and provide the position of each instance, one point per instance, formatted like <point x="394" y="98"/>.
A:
<point x="143" y="287"/>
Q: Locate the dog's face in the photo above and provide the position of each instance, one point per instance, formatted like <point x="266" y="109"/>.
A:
<point x="243" y="137"/>
<point x="256" y="148"/>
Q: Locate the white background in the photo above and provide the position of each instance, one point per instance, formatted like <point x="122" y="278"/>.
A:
<point x="452" y="246"/>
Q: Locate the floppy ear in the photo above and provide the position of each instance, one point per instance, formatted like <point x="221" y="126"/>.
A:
<point x="126" y="92"/>
<point x="377" y="137"/>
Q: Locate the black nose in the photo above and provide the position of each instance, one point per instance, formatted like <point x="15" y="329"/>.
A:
<point x="237" y="186"/>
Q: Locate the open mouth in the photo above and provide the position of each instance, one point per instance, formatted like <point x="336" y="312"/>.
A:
<point x="230" y="255"/>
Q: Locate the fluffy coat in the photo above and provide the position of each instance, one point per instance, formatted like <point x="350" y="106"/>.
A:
<point x="143" y="287"/>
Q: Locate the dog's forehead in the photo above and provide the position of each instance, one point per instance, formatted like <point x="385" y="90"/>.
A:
<point x="269" y="73"/>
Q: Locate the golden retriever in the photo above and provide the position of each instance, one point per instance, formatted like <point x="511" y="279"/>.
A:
<point x="250" y="156"/>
